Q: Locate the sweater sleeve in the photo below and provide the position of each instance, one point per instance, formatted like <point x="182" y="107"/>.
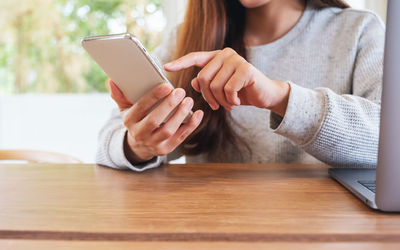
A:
<point x="110" y="149"/>
<point x="340" y="130"/>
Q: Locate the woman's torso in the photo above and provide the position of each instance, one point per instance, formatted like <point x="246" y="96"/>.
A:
<point x="320" y="51"/>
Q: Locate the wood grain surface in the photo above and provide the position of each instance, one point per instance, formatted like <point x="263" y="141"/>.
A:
<point x="107" y="245"/>
<point x="185" y="203"/>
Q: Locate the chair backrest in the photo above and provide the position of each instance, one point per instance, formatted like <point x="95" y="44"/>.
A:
<point x="36" y="156"/>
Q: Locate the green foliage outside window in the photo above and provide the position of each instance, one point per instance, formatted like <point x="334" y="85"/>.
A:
<point x="40" y="48"/>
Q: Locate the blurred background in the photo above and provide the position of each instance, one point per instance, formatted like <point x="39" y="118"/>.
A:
<point x="53" y="97"/>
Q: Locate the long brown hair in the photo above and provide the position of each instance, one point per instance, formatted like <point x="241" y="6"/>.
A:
<point x="213" y="25"/>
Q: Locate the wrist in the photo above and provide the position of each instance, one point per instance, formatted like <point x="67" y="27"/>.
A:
<point x="130" y="155"/>
<point x="282" y="93"/>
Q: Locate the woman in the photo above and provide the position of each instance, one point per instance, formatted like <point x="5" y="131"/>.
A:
<point x="271" y="81"/>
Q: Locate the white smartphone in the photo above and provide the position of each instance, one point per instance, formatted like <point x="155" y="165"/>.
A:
<point x="128" y="64"/>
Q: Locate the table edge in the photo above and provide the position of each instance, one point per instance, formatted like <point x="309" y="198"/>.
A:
<point x="199" y="237"/>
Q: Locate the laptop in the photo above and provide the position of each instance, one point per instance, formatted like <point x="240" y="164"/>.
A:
<point x="380" y="188"/>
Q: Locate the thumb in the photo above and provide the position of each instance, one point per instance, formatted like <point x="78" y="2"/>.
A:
<point x="119" y="97"/>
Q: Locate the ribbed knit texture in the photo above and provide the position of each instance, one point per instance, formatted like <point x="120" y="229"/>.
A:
<point x="333" y="61"/>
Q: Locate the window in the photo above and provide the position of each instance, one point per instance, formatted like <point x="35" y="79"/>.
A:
<point x="40" y="48"/>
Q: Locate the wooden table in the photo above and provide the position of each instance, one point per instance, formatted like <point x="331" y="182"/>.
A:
<point x="192" y="206"/>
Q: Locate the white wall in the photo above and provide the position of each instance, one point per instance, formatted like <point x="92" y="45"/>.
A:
<point x="377" y="6"/>
<point x="174" y="11"/>
<point x="61" y="123"/>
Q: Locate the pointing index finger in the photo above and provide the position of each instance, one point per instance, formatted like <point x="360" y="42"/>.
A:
<point x="199" y="59"/>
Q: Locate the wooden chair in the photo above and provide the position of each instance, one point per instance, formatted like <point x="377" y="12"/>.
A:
<point x="36" y="156"/>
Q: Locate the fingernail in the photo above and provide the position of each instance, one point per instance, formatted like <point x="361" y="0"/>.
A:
<point x="214" y="106"/>
<point x="199" y="116"/>
<point x="237" y="101"/>
<point x="187" y="102"/>
<point x="179" y="93"/>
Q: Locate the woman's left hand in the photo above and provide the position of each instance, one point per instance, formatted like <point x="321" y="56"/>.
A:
<point x="227" y="79"/>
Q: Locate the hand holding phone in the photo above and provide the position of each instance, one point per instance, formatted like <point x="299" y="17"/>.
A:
<point x="157" y="116"/>
<point x="145" y="138"/>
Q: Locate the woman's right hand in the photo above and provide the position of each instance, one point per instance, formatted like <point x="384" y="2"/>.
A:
<point x="146" y="138"/>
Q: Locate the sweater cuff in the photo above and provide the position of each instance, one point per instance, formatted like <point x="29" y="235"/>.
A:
<point x="117" y="154"/>
<point x="304" y="115"/>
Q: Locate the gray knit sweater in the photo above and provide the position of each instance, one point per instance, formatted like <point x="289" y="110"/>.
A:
<point x="333" y="60"/>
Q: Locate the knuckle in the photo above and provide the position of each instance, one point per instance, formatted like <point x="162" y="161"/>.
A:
<point x="203" y="78"/>
<point x="228" y="89"/>
<point x="137" y="137"/>
<point x="214" y="87"/>
<point x="167" y="132"/>
<point x="229" y="50"/>
<point x="152" y="123"/>
<point x="245" y="67"/>
<point x="237" y="59"/>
